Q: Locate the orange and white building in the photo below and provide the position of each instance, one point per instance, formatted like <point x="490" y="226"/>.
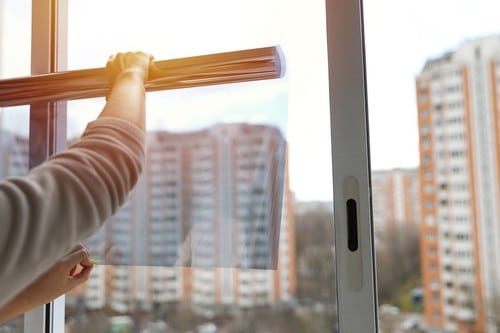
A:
<point x="458" y="96"/>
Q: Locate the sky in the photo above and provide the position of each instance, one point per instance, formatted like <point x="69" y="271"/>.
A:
<point x="400" y="36"/>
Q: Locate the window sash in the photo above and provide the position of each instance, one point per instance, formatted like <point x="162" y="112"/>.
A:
<point x="356" y="288"/>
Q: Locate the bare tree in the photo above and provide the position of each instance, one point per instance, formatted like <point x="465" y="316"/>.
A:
<point x="315" y="254"/>
<point x="398" y="258"/>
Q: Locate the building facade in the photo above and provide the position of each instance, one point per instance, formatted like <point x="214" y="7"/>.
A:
<point x="14" y="150"/>
<point x="395" y="198"/>
<point x="210" y="223"/>
<point x="458" y="98"/>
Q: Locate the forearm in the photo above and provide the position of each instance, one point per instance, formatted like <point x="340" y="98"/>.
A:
<point x="127" y="99"/>
<point x="70" y="271"/>
<point x="20" y="304"/>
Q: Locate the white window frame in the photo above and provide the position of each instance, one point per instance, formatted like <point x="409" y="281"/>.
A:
<point x="356" y="287"/>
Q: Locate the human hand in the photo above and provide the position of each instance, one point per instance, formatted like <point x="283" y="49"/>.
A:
<point x="68" y="272"/>
<point x="130" y="62"/>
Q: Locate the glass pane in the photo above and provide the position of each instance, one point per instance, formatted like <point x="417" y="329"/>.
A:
<point x="236" y="121"/>
<point x="169" y="29"/>
<point x="15" y="38"/>
<point x="433" y="72"/>
<point x="15" y="55"/>
<point x="14" y="161"/>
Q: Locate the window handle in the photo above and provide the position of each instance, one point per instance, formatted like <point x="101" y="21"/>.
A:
<point x="354" y="260"/>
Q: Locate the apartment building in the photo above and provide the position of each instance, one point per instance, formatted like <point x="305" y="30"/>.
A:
<point x="210" y="223"/>
<point x="14" y="150"/>
<point x="395" y="198"/>
<point x="458" y="97"/>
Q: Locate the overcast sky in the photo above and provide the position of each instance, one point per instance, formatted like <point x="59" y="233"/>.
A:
<point x="400" y="36"/>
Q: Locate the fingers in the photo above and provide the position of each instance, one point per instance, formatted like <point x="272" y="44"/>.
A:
<point x="72" y="271"/>
<point x="79" y="255"/>
<point x="80" y="277"/>
<point x="137" y="62"/>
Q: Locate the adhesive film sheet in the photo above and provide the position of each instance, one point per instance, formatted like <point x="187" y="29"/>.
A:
<point x="211" y="194"/>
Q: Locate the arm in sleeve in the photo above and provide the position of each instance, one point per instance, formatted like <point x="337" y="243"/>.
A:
<point x="65" y="200"/>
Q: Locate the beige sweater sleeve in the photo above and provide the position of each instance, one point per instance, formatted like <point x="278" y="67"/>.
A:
<point x="65" y="199"/>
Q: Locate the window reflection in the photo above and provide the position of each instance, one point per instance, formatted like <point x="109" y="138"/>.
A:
<point x="209" y="198"/>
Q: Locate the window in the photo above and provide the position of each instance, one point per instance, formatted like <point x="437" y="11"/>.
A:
<point x="430" y="220"/>
<point x="353" y="292"/>
<point x="434" y="70"/>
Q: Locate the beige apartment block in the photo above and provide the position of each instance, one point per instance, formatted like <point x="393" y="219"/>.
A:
<point x="210" y="224"/>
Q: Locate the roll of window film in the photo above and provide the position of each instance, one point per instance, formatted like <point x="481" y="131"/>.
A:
<point x="228" y="67"/>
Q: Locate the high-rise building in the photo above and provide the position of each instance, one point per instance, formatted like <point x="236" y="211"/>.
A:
<point x="210" y="223"/>
<point x="458" y="96"/>
<point x="395" y="198"/>
<point x="14" y="150"/>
